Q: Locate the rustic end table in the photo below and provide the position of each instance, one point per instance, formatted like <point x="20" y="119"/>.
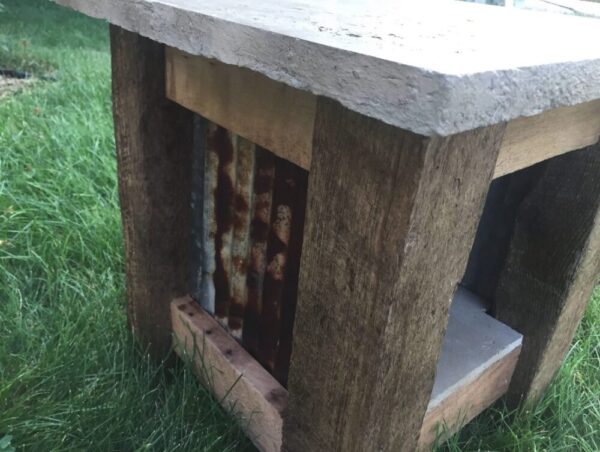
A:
<point x="447" y="241"/>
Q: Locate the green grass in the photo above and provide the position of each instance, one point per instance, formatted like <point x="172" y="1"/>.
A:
<point x="71" y="377"/>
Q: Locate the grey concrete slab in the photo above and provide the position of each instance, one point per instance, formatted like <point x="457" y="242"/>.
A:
<point x="431" y="67"/>
<point x="474" y="341"/>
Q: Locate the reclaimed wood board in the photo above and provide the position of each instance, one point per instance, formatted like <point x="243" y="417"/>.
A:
<point x="281" y="118"/>
<point x="477" y="359"/>
<point x="551" y="267"/>
<point x="240" y="383"/>
<point x="391" y="217"/>
<point x="154" y="155"/>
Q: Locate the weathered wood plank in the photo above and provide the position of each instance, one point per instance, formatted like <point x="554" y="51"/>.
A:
<point x="391" y="217"/>
<point x="552" y="266"/>
<point x="154" y="149"/>
<point x="273" y="115"/>
<point x="237" y="380"/>
<point x="496" y="226"/>
<point x="281" y="118"/>
<point x="537" y="138"/>
<point x="470" y="374"/>
<point x="467" y="401"/>
<point x="478" y="357"/>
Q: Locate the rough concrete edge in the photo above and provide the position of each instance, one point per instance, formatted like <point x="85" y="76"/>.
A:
<point x="440" y="105"/>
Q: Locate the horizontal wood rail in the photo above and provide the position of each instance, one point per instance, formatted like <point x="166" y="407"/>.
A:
<point x="235" y="377"/>
<point x="280" y="118"/>
<point x="478" y="357"/>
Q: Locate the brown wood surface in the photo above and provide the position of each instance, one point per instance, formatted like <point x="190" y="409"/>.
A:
<point x="269" y="113"/>
<point x="496" y="226"/>
<point x="536" y="138"/>
<point x="281" y="118"/>
<point x="390" y="220"/>
<point x="238" y="381"/>
<point x="154" y="149"/>
<point x="552" y="266"/>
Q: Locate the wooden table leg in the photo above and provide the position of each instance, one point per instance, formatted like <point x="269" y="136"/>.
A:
<point x="154" y="142"/>
<point x="391" y="217"/>
<point x="552" y="266"/>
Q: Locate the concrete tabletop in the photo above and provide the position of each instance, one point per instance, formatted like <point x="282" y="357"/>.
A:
<point x="431" y="67"/>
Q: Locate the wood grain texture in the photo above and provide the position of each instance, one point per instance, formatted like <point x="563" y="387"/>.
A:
<point x="391" y="217"/>
<point x="269" y="113"/>
<point x="281" y="118"/>
<point x="533" y="139"/>
<point x="551" y="268"/>
<point x="154" y="154"/>
<point x="495" y="230"/>
<point x="237" y="380"/>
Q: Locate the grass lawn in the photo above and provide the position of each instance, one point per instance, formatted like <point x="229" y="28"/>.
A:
<point x="71" y="377"/>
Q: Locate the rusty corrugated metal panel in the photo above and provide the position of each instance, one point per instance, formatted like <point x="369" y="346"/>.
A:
<point x="241" y="235"/>
<point x="209" y="228"/>
<point x="252" y="224"/>
<point x="298" y="187"/>
<point x="277" y="257"/>
<point x="259" y="231"/>
<point x="225" y="144"/>
<point x="197" y="203"/>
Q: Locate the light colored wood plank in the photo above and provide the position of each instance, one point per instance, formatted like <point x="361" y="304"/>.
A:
<point x="478" y="357"/>
<point x="281" y="118"/>
<point x="530" y="140"/>
<point x="273" y="115"/>
<point x="234" y="376"/>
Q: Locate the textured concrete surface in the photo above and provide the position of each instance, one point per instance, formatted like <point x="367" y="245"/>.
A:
<point x="473" y="342"/>
<point x="430" y="67"/>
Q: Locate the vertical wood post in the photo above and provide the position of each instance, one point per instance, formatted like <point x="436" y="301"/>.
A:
<point x="551" y="268"/>
<point x="154" y="143"/>
<point x="391" y="217"/>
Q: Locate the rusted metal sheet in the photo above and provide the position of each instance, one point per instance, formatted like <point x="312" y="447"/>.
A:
<point x="259" y="231"/>
<point x="225" y="145"/>
<point x="209" y="228"/>
<point x="197" y="203"/>
<point x="251" y="223"/>
<point x="298" y="187"/>
<point x="241" y="235"/>
<point x="285" y="208"/>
